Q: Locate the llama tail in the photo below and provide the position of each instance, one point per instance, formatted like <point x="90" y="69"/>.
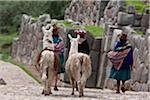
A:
<point x="86" y="66"/>
<point x="85" y="70"/>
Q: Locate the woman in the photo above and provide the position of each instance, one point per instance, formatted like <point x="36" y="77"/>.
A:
<point x="122" y="63"/>
<point x="59" y="47"/>
<point x="58" y="50"/>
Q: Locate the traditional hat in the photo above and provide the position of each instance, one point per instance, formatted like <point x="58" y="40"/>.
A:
<point x="80" y="32"/>
<point x="123" y="36"/>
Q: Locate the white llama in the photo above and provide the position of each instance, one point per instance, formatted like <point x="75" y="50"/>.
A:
<point x="78" y="66"/>
<point x="47" y="60"/>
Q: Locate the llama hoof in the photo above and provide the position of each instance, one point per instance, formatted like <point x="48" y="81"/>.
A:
<point x="77" y="89"/>
<point x="72" y="93"/>
<point x="42" y="92"/>
<point x="46" y="93"/>
<point x="81" y="95"/>
<point x="55" y="88"/>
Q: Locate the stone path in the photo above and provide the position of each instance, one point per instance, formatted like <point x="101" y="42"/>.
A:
<point x="20" y="86"/>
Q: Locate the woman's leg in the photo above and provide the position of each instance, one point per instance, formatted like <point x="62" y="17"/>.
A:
<point x="56" y="79"/>
<point x="122" y="88"/>
<point x="118" y="86"/>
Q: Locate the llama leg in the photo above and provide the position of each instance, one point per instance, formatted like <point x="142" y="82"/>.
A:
<point x="73" y="85"/>
<point x="76" y="86"/>
<point x="49" y="84"/>
<point x="81" y="88"/>
<point x="46" y="88"/>
<point x="81" y="84"/>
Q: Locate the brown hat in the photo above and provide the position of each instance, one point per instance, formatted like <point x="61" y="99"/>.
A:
<point x="123" y="36"/>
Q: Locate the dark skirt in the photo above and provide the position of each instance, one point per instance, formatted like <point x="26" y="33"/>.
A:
<point x="122" y="74"/>
<point x="61" y="67"/>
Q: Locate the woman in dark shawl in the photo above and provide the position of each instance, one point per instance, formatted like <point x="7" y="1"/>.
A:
<point x="122" y="63"/>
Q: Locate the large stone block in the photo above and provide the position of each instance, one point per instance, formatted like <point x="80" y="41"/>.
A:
<point x="142" y="46"/>
<point x="144" y="75"/>
<point x="110" y="83"/>
<point x="115" y="38"/>
<point x="145" y="22"/>
<point x="125" y="19"/>
<point x="137" y="23"/>
<point x="97" y="44"/>
<point x="136" y="86"/>
<point x="138" y="16"/>
<point x="95" y="58"/>
<point x="144" y="87"/>
<point x="134" y="75"/>
<point x="140" y="69"/>
<point x="102" y="71"/>
<point x="92" y="80"/>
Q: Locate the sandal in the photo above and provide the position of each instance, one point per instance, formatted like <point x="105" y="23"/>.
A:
<point x="123" y="89"/>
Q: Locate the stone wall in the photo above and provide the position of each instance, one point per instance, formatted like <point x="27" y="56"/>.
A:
<point x="29" y="43"/>
<point x="117" y="19"/>
<point x="87" y="12"/>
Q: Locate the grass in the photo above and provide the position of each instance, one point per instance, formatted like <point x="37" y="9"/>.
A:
<point x="5" y="44"/>
<point x="67" y="24"/>
<point x="139" y="5"/>
<point x="140" y="33"/>
<point x="95" y="30"/>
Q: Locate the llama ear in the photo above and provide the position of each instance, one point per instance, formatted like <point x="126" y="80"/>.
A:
<point x="51" y="29"/>
<point x="78" y="37"/>
<point x="70" y="37"/>
<point x="43" y="29"/>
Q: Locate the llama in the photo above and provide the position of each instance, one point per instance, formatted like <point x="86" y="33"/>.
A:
<point x="78" y="66"/>
<point x="48" y="62"/>
<point x="47" y="38"/>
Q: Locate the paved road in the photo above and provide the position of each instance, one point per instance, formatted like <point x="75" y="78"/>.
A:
<point x="20" y="86"/>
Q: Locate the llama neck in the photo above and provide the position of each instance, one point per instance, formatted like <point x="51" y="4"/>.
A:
<point x="73" y="49"/>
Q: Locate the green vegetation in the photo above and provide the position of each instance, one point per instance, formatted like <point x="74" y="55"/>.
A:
<point x="5" y="45"/>
<point x="139" y="5"/>
<point x="11" y="12"/>
<point x="95" y="30"/>
<point x="140" y="33"/>
<point x="67" y="24"/>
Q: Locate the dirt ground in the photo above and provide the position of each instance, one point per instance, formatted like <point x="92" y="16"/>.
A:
<point x="20" y="86"/>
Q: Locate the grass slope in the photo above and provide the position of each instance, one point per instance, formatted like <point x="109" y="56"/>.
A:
<point x="139" y="5"/>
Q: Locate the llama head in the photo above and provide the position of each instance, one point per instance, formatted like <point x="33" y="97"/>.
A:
<point x="74" y="41"/>
<point x="74" y="44"/>
<point x="47" y="38"/>
<point x="47" y="29"/>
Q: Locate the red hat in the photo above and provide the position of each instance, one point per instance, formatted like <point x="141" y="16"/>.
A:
<point x="82" y="33"/>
